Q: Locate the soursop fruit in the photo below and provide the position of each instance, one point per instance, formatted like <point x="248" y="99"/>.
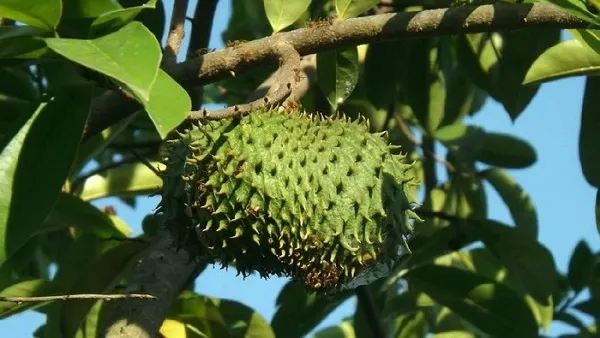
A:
<point x="290" y="194"/>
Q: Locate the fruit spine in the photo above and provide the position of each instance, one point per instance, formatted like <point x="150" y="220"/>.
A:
<point x="319" y="199"/>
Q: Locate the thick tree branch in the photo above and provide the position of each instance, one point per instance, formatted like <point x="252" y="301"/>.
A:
<point x="283" y="85"/>
<point x="211" y="67"/>
<point x="162" y="273"/>
<point x="176" y="32"/>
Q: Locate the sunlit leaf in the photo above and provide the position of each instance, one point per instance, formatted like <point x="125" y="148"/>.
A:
<point x="28" y="288"/>
<point x="590" y="307"/>
<point x="517" y="200"/>
<point x="36" y="157"/>
<point x="282" y="13"/>
<point x="589" y="135"/>
<point x="566" y="59"/>
<point x="337" y="71"/>
<point x="114" y="20"/>
<point x="43" y="14"/>
<point x="79" y="9"/>
<point x="130" y="56"/>
<point x="242" y="320"/>
<point x="200" y="315"/>
<point x="350" y="8"/>
<point x="343" y="330"/>
<point x="491" y="306"/>
<point x="171" y="328"/>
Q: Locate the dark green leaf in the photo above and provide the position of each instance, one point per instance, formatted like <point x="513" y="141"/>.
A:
<point x="200" y="314"/>
<point x="100" y="275"/>
<point x="242" y="320"/>
<point x="43" y="14"/>
<point x="300" y="311"/>
<point x="492" y="307"/>
<point x="114" y="20"/>
<point x="478" y="56"/>
<point x="247" y="14"/>
<point x="126" y="180"/>
<point x="37" y="156"/>
<point x="382" y="77"/>
<point x="581" y="266"/>
<point x="168" y="105"/>
<point x="589" y="135"/>
<point x="70" y="211"/>
<point x="350" y="8"/>
<point x="566" y="59"/>
<point x="405" y="303"/>
<point x="343" y="330"/>
<point x="571" y="320"/>
<point x="465" y="197"/>
<point x="589" y="306"/>
<point x="77" y="9"/>
<point x="130" y="56"/>
<point x="337" y="71"/>
<point x="21" y="42"/>
<point x="598" y="210"/>
<point x="506" y="151"/>
<point x="282" y="13"/>
<point x="518" y="201"/>
<point x="29" y="288"/>
<point x="412" y="325"/>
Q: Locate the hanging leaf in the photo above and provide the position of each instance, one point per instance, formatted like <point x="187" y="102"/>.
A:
<point x="200" y="315"/>
<point x="282" y="13"/>
<point x="506" y="151"/>
<point x="589" y="134"/>
<point x="384" y="67"/>
<point x="337" y="71"/>
<point x="566" y="59"/>
<point x="29" y="288"/>
<point x="492" y="307"/>
<point x="111" y="21"/>
<point x="350" y="8"/>
<point x="37" y="156"/>
<point x="581" y="266"/>
<point x="43" y="14"/>
<point x="343" y="330"/>
<point x="300" y="311"/>
<point x="242" y="320"/>
<point x="130" y="56"/>
<point x="517" y="200"/>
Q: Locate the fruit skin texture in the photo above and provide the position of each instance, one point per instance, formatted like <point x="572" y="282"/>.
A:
<point x="319" y="199"/>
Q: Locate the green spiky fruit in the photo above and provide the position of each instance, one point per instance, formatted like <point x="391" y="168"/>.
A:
<point x="319" y="199"/>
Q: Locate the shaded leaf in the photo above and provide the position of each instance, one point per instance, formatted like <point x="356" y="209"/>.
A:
<point x="506" y="151"/>
<point x="130" y="56"/>
<point x="571" y="320"/>
<point x="242" y="320"/>
<point x="282" y="13"/>
<point x="382" y="77"/>
<point x="126" y="180"/>
<point x="200" y="314"/>
<point x="114" y="20"/>
<point x="411" y="325"/>
<point x="581" y="266"/>
<point x="517" y="200"/>
<point x="43" y="14"/>
<point x="78" y="9"/>
<point x="22" y="42"/>
<point x="337" y="72"/>
<point x="350" y="8"/>
<point x="343" y="330"/>
<point x="37" y="156"/>
<point x="566" y="59"/>
<point x="589" y="306"/>
<point x="598" y="210"/>
<point x="480" y="300"/>
<point x="29" y="288"/>
<point x="589" y="134"/>
<point x="299" y="311"/>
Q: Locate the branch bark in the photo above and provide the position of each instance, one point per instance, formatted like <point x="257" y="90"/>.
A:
<point x="210" y="67"/>
<point x="176" y="32"/>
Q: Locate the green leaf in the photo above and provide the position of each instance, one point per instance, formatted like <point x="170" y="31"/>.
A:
<point x="405" y="303"/>
<point x="131" y="56"/>
<point x="242" y="320"/>
<point x="43" y="14"/>
<point x="424" y="86"/>
<point x="589" y="136"/>
<point x="411" y="325"/>
<point x="299" y="311"/>
<point x="78" y="9"/>
<point x="200" y="315"/>
<point x="465" y="197"/>
<point x="350" y="8"/>
<point x="72" y="211"/>
<point x="454" y="334"/>
<point x="282" y="13"/>
<point x="518" y="201"/>
<point x="492" y="307"/>
<point x="506" y="151"/>
<point x="566" y="59"/>
<point x="382" y="78"/>
<point x="126" y="180"/>
<point x="343" y="330"/>
<point x="590" y="307"/>
<point x="338" y="72"/>
<point x="527" y="259"/>
<point x="114" y="20"/>
<point x="22" y="42"/>
<point x="29" y="288"/>
<point x="37" y="156"/>
<point x="168" y="105"/>
<point x="100" y="275"/>
<point x="581" y="266"/>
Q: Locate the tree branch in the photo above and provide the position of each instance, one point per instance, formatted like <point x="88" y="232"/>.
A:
<point x="283" y="85"/>
<point x="75" y="296"/>
<point x="162" y="272"/>
<point x="176" y="32"/>
<point x="210" y="67"/>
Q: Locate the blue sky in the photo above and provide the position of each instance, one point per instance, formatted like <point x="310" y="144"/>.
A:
<point x="564" y="200"/>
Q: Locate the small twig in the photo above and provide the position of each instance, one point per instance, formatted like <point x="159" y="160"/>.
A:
<point x="412" y="139"/>
<point x="106" y="297"/>
<point x="125" y="239"/>
<point x="145" y="162"/>
<point x="176" y="32"/>
<point x="282" y="88"/>
<point x="365" y="301"/>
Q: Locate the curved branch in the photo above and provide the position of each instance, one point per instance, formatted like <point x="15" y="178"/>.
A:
<point x="283" y="85"/>
<point x="210" y="67"/>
